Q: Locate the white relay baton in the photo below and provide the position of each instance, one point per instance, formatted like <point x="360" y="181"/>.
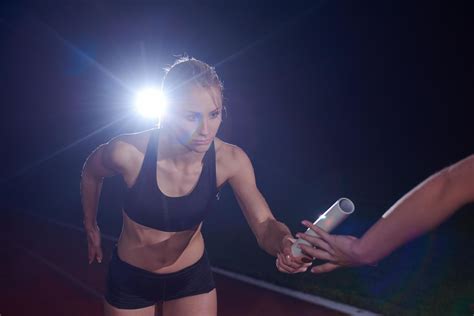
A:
<point x="335" y="215"/>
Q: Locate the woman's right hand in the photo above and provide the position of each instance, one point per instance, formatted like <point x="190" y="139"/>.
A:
<point x="94" y="244"/>
<point x="338" y="250"/>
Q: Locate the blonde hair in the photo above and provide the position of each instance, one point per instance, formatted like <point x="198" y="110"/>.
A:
<point x="188" y="71"/>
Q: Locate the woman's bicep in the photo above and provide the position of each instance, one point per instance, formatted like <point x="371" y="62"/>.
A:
<point x="103" y="162"/>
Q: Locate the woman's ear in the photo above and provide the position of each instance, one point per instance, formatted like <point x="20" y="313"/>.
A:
<point x="224" y="113"/>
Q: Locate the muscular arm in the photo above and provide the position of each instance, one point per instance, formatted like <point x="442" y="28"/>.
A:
<point x="105" y="161"/>
<point x="419" y="211"/>
<point x="269" y="232"/>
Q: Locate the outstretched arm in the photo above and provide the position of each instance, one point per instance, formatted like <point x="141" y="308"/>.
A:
<point x="272" y="236"/>
<point x="420" y="210"/>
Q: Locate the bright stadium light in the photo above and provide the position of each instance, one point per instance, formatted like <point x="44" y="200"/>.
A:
<point x="150" y="103"/>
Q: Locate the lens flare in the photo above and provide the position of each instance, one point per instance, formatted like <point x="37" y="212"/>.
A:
<point x="150" y="103"/>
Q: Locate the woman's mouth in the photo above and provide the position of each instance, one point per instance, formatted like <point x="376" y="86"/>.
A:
<point x="201" y="141"/>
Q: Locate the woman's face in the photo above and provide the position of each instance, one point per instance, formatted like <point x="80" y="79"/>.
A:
<point x="194" y="117"/>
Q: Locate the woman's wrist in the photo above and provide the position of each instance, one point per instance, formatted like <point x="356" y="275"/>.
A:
<point x="90" y="225"/>
<point x="362" y="254"/>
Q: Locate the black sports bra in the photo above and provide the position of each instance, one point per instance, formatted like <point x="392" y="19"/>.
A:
<point x="145" y="204"/>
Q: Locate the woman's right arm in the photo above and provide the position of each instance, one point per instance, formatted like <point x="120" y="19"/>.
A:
<point x="420" y="210"/>
<point x="105" y="161"/>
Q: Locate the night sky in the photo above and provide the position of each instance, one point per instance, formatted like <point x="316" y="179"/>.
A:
<point x="328" y="98"/>
<point x="362" y="99"/>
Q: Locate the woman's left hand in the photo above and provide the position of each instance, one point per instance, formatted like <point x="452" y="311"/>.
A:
<point x="286" y="262"/>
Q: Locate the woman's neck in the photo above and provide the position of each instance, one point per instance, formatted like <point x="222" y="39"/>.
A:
<point x="171" y="149"/>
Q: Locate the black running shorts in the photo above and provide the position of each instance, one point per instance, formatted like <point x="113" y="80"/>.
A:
<point x="129" y="287"/>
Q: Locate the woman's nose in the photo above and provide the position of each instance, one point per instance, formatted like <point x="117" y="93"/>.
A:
<point x="204" y="127"/>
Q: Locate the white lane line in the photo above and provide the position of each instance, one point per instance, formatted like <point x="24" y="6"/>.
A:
<point x="310" y="298"/>
<point x="76" y="228"/>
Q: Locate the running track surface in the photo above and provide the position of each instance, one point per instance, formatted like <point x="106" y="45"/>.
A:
<point x="44" y="271"/>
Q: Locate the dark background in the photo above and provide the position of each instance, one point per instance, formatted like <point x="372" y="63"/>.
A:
<point x="362" y="99"/>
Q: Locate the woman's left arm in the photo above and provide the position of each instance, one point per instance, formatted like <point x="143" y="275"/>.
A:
<point x="272" y="236"/>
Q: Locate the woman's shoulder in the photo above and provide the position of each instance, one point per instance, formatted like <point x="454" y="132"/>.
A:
<point x="227" y="153"/>
<point x="129" y="145"/>
<point x="138" y="140"/>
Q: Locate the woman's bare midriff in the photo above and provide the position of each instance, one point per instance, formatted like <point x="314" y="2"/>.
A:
<point x="159" y="251"/>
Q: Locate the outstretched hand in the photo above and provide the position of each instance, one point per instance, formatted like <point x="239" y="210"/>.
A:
<point x="286" y="262"/>
<point x="338" y="250"/>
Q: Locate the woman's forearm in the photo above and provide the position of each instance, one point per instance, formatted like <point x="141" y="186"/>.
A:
<point x="419" y="211"/>
<point x="272" y="236"/>
<point x="90" y="194"/>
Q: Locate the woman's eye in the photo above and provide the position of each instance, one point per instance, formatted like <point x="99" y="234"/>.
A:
<point x="192" y="117"/>
<point x="215" y="114"/>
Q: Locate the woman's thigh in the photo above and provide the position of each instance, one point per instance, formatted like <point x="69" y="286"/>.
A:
<point x="195" y="305"/>
<point x="110" y="310"/>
